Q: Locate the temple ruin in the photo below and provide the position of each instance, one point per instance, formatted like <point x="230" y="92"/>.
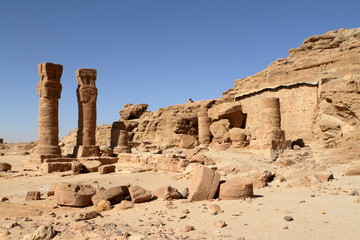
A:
<point x="49" y="90"/>
<point x="87" y="96"/>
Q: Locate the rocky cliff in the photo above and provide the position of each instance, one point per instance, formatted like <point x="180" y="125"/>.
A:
<point x="318" y="86"/>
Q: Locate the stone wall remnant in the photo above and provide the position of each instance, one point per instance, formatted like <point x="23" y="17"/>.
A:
<point x="87" y="96"/>
<point x="49" y="90"/>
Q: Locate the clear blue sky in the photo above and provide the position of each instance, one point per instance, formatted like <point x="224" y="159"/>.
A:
<point x="159" y="52"/>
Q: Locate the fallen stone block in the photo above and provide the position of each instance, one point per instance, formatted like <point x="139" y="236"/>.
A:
<point x="167" y="193"/>
<point x="74" y="195"/>
<point x="324" y="176"/>
<point x="105" y="169"/>
<point x="91" y="166"/>
<point x="76" y="167"/>
<point x="204" y="184"/>
<point x="114" y="195"/>
<point x="236" y="188"/>
<point x="50" y="167"/>
<point x="139" y="194"/>
<point x="33" y="195"/>
<point x="353" y="171"/>
<point x="5" y="166"/>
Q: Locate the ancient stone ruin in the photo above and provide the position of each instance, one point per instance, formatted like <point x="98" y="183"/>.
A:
<point x="49" y="91"/>
<point x="87" y="96"/>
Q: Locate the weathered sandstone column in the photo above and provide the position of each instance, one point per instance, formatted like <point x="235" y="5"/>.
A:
<point x="271" y="120"/>
<point x="123" y="143"/>
<point x="49" y="91"/>
<point x="87" y="95"/>
<point x="204" y="126"/>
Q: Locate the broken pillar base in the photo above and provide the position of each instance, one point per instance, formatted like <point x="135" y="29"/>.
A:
<point x="122" y="149"/>
<point x="88" y="151"/>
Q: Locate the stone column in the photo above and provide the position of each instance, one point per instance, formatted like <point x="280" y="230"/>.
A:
<point x="49" y="91"/>
<point x="86" y="95"/>
<point x="123" y="143"/>
<point x="271" y="132"/>
<point x="204" y="126"/>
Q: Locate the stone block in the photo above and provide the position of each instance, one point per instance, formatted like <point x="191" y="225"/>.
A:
<point x="114" y="195"/>
<point x="204" y="184"/>
<point x="74" y="195"/>
<point x="236" y="188"/>
<point x="139" y="194"/>
<point x="33" y="195"/>
<point x="5" y="166"/>
<point x="50" y="167"/>
<point x="91" y="166"/>
<point x="105" y="169"/>
<point x="324" y="176"/>
<point x="167" y="193"/>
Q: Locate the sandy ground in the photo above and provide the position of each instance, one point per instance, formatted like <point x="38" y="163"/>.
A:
<point x="319" y="210"/>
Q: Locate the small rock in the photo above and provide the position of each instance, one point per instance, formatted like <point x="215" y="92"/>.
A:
<point x="124" y="205"/>
<point x="103" y="205"/>
<point x="288" y="218"/>
<point x="4" y="234"/>
<point x="322" y="212"/>
<point x="86" y="215"/>
<point x="358" y="200"/>
<point x="214" y="209"/>
<point x="219" y="224"/>
<point x="324" y="176"/>
<point x="188" y="228"/>
<point x="185" y="211"/>
<point x="45" y="232"/>
<point x="167" y="193"/>
<point x="182" y="217"/>
<point x="286" y="227"/>
<point x="4" y="199"/>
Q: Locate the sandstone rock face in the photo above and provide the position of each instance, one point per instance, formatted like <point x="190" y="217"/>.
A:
<point x="75" y="195"/>
<point x="231" y="111"/>
<point x="236" y="188"/>
<point x="318" y="89"/>
<point x="131" y="111"/>
<point x="139" y="194"/>
<point x="317" y="86"/>
<point x="204" y="184"/>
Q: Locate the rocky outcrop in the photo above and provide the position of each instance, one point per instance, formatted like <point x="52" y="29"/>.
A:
<point x="317" y="85"/>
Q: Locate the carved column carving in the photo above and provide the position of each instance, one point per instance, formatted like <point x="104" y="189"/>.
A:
<point x="49" y="90"/>
<point x="87" y="96"/>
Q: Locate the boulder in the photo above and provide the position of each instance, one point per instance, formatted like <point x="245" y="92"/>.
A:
<point x="204" y="184"/>
<point x="5" y="166"/>
<point x="187" y="141"/>
<point x="91" y="166"/>
<point x="114" y="195"/>
<point x="76" y="167"/>
<point x="124" y="205"/>
<point x="167" y="193"/>
<point x="353" y="171"/>
<point x="74" y="195"/>
<point x="236" y="188"/>
<point x="131" y="111"/>
<point x="44" y="232"/>
<point x="139" y="194"/>
<point x="324" y="176"/>
<point x="202" y="159"/>
<point x="219" y="128"/>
